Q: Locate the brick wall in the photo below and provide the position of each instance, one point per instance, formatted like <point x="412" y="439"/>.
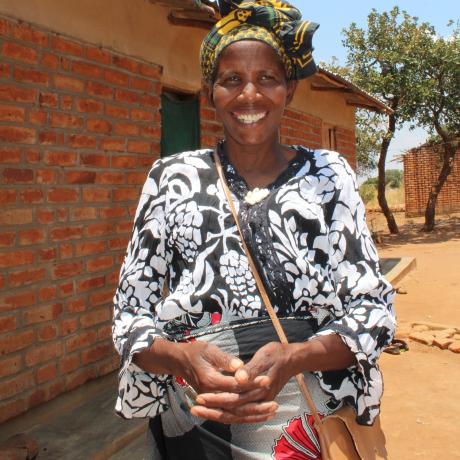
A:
<point x="79" y="129"/>
<point x="421" y="169"/>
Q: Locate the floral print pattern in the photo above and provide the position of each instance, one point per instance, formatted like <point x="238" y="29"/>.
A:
<point x="311" y="227"/>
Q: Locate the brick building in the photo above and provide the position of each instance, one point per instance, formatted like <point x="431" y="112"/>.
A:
<point x="421" y="169"/>
<point x="81" y="87"/>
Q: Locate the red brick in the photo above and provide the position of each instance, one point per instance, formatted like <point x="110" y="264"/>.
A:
<point x="5" y="27"/>
<point x="138" y="147"/>
<point x="118" y="243"/>
<point x="15" y="341"/>
<point x="66" y="289"/>
<point x="76" y="305"/>
<point x="60" y="158"/>
<point x="47" y="332"/>
<point x="7" y="196"/>
<point x="62" y="214"/>
<point x="17" y="94"/>
<point x="15" y="216"/>
<point x="153" y="132"/>
<point x="63" y="195"/>
<point x="99" y="264"/>
<point x="19" y="52"/>
<point x="69" y="363"/>
<point x="86" y="248"/>
<point x="31" y="76"/>
<point x="90" y="284"/>
<point x="135" y="178"/>
<point x="128" y="97"/>
<point x="44" y="313"/>
<point x="95" y="160"/>
<point x="31" y="196"/>
<point x="7" y="239"/>
<point x="46" y="293"/>
<point x="10" y="366"/>
<point x="126" y="194"/>
<point x="46" y="373"/>
<point x="80" y="177"/>
<point x="116" y="111"/>
<point x="7" y="324"/>
<point x="12" y="408"/>
<point x="69" y="326"/>
<point x="97" y="54"/>
<point x="113" y="144"/>
<point x="50" y="138"/>
<point x="97" y="316"/>
<point x="50" y="61"/>
<point x="150" y="101"/>
<point x="141" y="84"/>
<point x="38" y="117"/>
<point x="27" y="33"/>
<point x="81" y="141"/>
<point x="96" y="195"/>
<point x="102" y="297"/>
<point x="96" y="353"/>
<point x="15" y="301"/>
<point x="32" y="236"/>
<point x="68" y="83"/>
<point x="45" y="216"/>
<point x="87" y="70"/>
<point x="110" y="178"/>
<point x="99" y="126"/>
<point x="126" y="63"/>
<point x="66" y="102"/>
<point x="12" y="113"/>
<point x="18" y="135"/>
<point x="18" y="176"/>
<point x="126" y="129"/>
<point x="19" y="384"/>
<point x="67" y="270"/>
<point x="5" y="70"/>
<point x="66" y="47"/>
<point x="112" y="213"/>
<point x="65" y="251"/>
<point x="49" y="100"/>
<point x="45" y="255"/>
<point x="99" y="229"/>
<point x="10" y="155"/>
<point x="82" y="340"/>
<point x="89" y="106"/>
<point x="124" y="162"/>
<point x="65" y="233"/>
<point x="26" y="277"/>
<point x="63" y="120"/>
<point x="44" y="353"/>
<point x="151" y="71"/>
<point x="117" y="78"/>
<point x="87" y="213"/>
<point x="45" y="176"/>
<point x="100" y="90"/>
<point x="141" y="115"/>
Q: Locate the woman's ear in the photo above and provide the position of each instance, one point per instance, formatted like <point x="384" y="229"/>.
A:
<point x="207" y="89"/>
<point x="291" y="87"/>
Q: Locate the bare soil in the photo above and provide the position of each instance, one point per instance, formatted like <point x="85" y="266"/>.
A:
<point x="421" y="403"/>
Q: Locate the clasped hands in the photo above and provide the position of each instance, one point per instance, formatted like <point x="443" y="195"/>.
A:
<point x="230" y="391"/>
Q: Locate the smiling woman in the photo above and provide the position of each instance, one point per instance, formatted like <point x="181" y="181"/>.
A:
<point x="203" y="361"/>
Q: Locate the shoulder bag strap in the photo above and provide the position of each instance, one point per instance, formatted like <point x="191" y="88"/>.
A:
<point x="263" y="293"/>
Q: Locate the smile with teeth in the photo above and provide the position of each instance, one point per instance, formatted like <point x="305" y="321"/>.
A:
<point x="248" y="118"/>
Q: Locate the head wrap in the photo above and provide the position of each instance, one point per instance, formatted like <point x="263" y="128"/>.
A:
<point x="276" y="23"/>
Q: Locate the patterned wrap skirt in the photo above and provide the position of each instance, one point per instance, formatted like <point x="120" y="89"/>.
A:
<point x="177" y="435"/>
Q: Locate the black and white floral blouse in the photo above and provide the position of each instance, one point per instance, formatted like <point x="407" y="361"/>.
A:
<point x="311" y="243"/>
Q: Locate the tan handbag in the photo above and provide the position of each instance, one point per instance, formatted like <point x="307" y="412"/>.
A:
<point x="340" y="436"/>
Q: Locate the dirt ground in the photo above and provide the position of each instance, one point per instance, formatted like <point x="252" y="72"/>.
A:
<point x="421" y="407"/>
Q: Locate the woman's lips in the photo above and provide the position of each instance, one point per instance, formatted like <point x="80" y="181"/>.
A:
<point x="249" y="118"/>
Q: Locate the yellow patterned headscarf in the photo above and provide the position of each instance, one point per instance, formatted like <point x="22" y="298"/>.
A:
<point x="276" y="23"/>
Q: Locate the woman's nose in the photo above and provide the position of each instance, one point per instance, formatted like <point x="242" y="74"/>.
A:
<point x="249" y="91"/>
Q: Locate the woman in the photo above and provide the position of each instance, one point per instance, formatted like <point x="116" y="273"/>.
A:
<point x="203" y="361"/>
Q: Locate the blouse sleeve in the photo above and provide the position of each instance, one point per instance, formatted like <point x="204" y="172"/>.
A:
<point x="139" y="290"/>
<point x="367" y="322"/>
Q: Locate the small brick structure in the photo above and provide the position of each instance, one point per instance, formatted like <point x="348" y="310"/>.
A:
<point x="80" y="127"/>
<point x="421" y="170"/>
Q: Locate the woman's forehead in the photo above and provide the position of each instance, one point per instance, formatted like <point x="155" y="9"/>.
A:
<point x="248" y="54"/>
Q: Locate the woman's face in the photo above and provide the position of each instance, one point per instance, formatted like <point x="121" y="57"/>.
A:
<point x="250" y="92"/>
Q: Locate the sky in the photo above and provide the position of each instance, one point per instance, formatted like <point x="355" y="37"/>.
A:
<point x="335" y="15"/>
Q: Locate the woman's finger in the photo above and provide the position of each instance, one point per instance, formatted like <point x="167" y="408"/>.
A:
<point x="218" y="415"/>
<point x="226" y="400"/>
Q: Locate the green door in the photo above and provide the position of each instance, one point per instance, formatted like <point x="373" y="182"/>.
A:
<point x="180" y="124"/>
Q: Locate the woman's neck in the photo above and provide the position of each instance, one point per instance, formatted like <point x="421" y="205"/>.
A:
<point x="259" y="165"/>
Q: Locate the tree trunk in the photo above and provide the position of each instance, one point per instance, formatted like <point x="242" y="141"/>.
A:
<point x="391" y="222"/>
<point x="447" y="165"/>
